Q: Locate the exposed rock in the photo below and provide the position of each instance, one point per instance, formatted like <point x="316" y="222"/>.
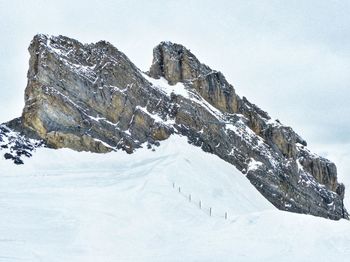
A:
<point x="177" y="64"/>
<point x="79" y="143"/>
<point x="16" y="145"/>
<point x="93" y="98"/>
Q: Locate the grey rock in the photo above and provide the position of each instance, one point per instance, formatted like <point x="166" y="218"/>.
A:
<point x="91" y="97"/>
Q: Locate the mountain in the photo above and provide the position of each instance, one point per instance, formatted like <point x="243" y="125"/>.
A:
<point x="91" y="97"/>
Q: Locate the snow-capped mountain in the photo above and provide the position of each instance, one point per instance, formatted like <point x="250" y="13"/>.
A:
<point x="91" y="97"/>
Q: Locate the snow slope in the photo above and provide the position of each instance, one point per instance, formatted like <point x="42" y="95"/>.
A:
<point x="68" y="206"/>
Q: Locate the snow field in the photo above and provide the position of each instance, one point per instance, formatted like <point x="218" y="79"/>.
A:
<point x="68" y="206"/>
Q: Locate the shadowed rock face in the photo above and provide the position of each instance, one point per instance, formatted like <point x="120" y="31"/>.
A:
<point x="93" y="98"/>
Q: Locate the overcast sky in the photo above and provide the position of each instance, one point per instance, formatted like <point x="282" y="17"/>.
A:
<point x="292" y="58"/>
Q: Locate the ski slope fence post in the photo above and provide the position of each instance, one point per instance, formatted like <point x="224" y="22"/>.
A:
<point x="200" y="204"/>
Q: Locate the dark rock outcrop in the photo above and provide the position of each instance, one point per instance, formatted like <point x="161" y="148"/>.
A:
<point x="93" y="98"/>
<point x="16" y="145"/>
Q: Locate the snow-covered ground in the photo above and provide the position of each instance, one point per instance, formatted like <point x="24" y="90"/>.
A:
<point x="68" y="206"/>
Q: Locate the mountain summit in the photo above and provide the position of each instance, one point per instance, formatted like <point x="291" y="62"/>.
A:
<point x="91" y="97"/>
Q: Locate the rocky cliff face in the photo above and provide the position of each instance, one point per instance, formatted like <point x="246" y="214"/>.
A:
<point x="93" y="98"/>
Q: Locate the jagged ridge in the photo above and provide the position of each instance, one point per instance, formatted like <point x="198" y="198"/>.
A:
<point x="93" y="98"/>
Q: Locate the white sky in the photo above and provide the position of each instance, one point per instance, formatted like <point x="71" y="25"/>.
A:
<point x="291" y="58"/>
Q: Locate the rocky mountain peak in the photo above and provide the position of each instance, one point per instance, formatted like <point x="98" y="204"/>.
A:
<point x="91" y="97"/>
<point x="176" y="64"/>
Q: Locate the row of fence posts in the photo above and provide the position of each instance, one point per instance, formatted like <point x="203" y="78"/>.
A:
<point x="199" y="202"/>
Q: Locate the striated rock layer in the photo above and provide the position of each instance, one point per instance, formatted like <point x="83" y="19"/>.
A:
<point x="93" y="98"/>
